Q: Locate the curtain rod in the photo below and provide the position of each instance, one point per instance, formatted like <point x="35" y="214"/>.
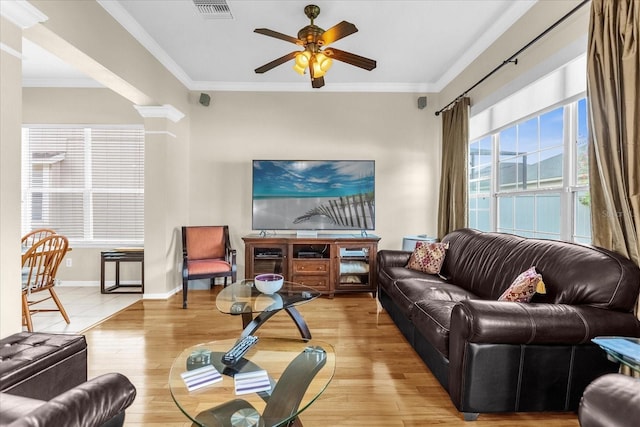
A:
<point x="513" y="58"/>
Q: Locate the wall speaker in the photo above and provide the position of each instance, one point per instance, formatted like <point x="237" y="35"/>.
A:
<point x="205" y="99"/>
<point x="422" y="102"/>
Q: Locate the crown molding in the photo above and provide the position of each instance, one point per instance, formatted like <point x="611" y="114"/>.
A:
<point x="120" y="14"/>
<point x="306" y="87"/>
<point x="165" y="111"/>
<point x="514" y="12"/>
<point x="22" y="13"/>
<point x="61" y="82"/>
<point x="11" y="51"/>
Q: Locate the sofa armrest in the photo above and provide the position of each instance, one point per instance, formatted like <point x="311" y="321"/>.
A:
<point x="503" y="322"/>
<point x="89" y="404"/>
<point x="610" y="400"/>
<point x="392" y="258"/>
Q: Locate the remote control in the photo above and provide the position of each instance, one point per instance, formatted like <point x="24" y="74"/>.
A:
<point x="236" y="352"/>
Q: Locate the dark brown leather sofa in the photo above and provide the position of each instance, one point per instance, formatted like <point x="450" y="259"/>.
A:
<point x="496" y="356"/>
<point x="43" y="382"/>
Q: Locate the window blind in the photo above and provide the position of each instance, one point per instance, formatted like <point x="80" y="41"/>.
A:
<point x="85" y="182"/>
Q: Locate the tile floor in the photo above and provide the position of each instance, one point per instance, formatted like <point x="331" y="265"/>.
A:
<point x="85" y="305"/>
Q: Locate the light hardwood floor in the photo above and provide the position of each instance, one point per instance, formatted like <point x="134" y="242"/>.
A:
<point x="379" y="379"/>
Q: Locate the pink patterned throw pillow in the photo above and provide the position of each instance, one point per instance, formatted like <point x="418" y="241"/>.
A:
<point x="428" y="257"/>
<point x="524" y="287"/>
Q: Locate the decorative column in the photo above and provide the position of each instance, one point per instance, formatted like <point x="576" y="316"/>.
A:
<point x="159" y="274"/>
<point x="14" y="17"/>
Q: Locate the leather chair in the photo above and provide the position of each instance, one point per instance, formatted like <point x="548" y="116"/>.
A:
<point x="39" y="268"/>
<point x="99" y="402"/>
<point x="206" y="254"/>
<point x="610" y="400"/>
<point x="43" y="382"/>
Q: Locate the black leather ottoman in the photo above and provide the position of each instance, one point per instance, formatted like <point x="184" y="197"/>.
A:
<point x="40" y="365"/>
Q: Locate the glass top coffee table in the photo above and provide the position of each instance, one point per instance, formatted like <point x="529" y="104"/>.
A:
<point x="243" y="298"/>
<point x="624" y="350"/>
<point x="271" y="385"/>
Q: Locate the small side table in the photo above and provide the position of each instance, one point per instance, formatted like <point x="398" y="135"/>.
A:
<point x="117" y="256"/>
<point x="623" y="350"/>
<point x="409" y="242"/>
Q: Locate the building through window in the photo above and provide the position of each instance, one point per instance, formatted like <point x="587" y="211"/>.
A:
<point x="85" y="182"/>
<point x="530" y="176"/>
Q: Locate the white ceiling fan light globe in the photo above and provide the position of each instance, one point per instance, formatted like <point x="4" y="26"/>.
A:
<point x="317" y="71"/>
<point x="298" y="69"/>
<point x="324" y="61"/>
<point x="302" y="59"/>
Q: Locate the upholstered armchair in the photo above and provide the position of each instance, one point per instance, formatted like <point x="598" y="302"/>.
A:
<point x="206" y="254"/>
<point x="99" y="402"/>
<point x="610" y="400"/>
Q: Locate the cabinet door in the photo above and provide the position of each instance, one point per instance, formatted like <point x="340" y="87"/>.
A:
<point x="266" y="258"/>
<point x="355" y="267"/>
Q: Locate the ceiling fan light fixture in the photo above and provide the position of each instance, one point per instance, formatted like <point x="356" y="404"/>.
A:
<point x="314" y="39"/>
<point x="302" y="59"/>
<point x="323" y="61"/>
<point x="298" y="69"/>
<point x="317" y="71"/>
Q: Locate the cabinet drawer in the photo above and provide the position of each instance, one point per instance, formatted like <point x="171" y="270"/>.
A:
<point x="320" y="283"/>
<point x="311" y="266"/>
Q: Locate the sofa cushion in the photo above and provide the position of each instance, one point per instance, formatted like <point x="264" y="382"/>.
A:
<point x="408" y="291"/>
<point x="524" y="287"/>
<point x="428" y="257"/>
<point x="486" y="263"/>
<point x="432" y="319"/>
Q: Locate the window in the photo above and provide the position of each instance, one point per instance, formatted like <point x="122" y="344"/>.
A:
<point x="85" y="182"/>
<point x="531" y="178"/>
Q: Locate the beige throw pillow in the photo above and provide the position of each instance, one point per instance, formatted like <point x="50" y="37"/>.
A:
<point x="524" y="287"/>
<point x="428" y="257"/>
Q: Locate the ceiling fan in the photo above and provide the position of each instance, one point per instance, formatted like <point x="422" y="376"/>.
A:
<point x="316" y="56"/>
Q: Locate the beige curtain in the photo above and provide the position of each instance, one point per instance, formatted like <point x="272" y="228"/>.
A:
<point x="452" y="209"/>
<point x="613" y="90"/>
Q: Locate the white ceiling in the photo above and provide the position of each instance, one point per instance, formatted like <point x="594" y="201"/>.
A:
<point x="419" y="46"/>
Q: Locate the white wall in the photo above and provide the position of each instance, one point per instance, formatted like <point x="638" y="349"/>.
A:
<point x="388" y="128"/>
<point x="239" y="127"/>
<point x="10" y="118"/>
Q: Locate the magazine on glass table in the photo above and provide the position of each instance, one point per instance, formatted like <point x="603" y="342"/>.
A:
<point x="625" y="347"/>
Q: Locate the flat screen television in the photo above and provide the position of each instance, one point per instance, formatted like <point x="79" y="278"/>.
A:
<point x="313" y="195"/>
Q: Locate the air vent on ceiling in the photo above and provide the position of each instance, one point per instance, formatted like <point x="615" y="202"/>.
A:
<point x="213" y="9"/>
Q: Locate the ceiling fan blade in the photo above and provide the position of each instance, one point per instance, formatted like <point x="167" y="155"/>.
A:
<point x="276" y="62"/>
<point x="317" y="83"/>
<point x="350" y="58"/>
<point x="277" y="35"/>
<point x="343" y="29"/>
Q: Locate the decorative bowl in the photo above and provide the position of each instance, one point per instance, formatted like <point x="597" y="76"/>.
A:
<point x="268" y="283"/>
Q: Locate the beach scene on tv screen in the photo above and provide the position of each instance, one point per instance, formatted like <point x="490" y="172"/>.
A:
<point x="313" y="195"/>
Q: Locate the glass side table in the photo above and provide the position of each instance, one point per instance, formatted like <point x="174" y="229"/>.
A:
<point x="623" y="350"/>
